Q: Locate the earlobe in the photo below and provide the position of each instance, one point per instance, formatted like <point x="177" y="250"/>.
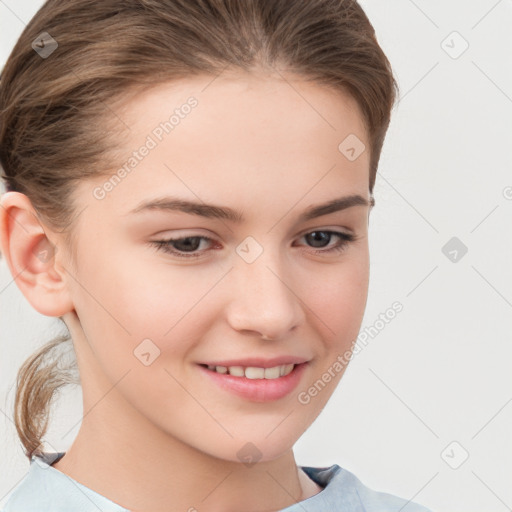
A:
<point x="31" y="256"/>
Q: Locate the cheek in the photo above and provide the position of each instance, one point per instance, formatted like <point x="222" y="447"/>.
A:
<point x="142" y="300"/>
<point x="337" y="303"/>
<point x="140" y="324"/>
<point x="336" y="300"/>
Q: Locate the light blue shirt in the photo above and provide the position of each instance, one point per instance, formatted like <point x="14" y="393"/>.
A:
<point x="46" y="489"/>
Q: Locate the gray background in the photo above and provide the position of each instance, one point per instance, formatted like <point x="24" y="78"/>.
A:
<point x="434" y="385"/>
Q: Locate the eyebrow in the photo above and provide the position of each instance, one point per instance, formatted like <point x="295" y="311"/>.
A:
<point x="212" y="211"/>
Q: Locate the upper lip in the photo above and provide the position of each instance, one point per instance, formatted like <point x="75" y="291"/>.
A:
<point x="258" y="362"/>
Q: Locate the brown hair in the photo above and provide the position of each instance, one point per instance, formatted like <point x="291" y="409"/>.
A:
<point x="57" y="123"/>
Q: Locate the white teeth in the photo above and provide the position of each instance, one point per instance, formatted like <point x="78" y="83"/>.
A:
<point x="273" y="373"/>
<point x="237" y="371"/>
<point x="287" y="368"/>
<point x="252" y="372"/>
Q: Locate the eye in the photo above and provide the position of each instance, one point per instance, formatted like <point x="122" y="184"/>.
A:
<point x="182" y="247"/>
<point x="320" y="236"/>
<point x="186" y="247"/>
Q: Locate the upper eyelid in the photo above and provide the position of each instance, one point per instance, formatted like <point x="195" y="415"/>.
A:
<point x="194" y="233"/>
<point x="344" y="230"/>
<point x="336" y="232"/>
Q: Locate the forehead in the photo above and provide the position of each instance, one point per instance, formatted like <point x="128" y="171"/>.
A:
<point x="264" y="96"/>
<point x="237" y="136"/>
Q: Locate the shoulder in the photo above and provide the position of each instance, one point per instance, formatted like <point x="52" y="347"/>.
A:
<point x="378" y="501"/>
<point x="341" y="488"/>
<point x="46" y="488"/>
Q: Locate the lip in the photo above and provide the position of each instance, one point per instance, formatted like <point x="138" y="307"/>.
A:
<point x="256" y="390"/>
<point x="257" y="362"/>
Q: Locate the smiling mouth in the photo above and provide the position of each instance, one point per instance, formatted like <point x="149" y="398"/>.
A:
<point x="253" y="372"/>
<point x="255" y="383"/>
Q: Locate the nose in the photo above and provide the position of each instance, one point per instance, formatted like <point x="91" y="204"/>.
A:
<point x="263" y="301"/>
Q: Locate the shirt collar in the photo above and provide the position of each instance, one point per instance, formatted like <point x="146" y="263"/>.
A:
<point x="339" y="487"/>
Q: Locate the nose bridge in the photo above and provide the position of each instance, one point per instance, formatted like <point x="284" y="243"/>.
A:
<point x="262" y="295"/>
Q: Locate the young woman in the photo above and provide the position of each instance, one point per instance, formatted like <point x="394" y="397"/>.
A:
<point x="189" y="184"/>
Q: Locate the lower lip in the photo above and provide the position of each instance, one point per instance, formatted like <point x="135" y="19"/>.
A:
<point x="258" y="390"/>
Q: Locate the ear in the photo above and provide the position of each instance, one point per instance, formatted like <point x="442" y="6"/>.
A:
<point x="32" y="257"/>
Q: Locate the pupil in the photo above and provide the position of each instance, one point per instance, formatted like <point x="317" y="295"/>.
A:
<point x="322" y="235"/>
<point x="186" y="245"/>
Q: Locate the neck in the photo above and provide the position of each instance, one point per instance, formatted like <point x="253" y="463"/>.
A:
<point x="144" y="470"/>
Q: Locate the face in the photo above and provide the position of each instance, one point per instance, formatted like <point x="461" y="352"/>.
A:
<point x="157" y="313"/>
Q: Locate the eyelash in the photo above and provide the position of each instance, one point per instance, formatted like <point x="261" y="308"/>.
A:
<point x="165" y="245"/>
